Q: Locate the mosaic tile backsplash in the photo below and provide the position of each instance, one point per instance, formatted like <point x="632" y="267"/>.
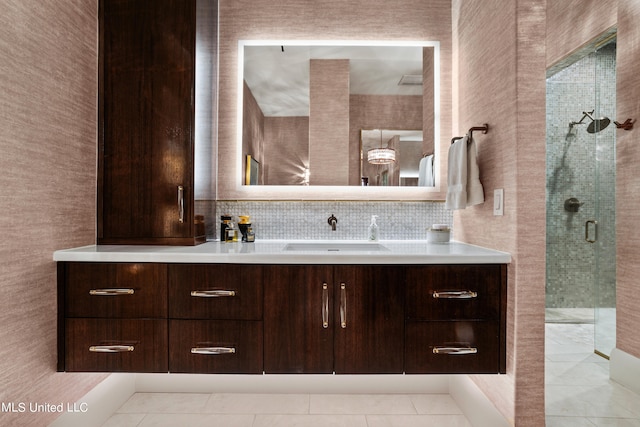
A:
<point x="299" y="220"/>
<point x="581" y="165"/>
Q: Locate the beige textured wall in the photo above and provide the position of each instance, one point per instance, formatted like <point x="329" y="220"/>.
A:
<point x="325" y="20"/>
<point x="253" y="131"/>
<point x="501" y="81"/>
<point x="286" y="150"/>
<point x="628" y="178"/>
<point x="329" y="121"/>
<point x="574" y="23"/>
<point x="48" y="87"/>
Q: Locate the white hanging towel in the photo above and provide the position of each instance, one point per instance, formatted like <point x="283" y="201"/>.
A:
<point x="457" y="175"/>
<point x="463" y="178"/>
<point x="425" y="172"/>
<point x="475" y="191"/>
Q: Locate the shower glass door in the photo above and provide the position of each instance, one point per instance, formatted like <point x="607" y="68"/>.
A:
<point x="605" y="202"/>
<point x="581" y="195"/>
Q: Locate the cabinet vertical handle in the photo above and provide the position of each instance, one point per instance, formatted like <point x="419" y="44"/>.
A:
<point x="180" y="204"/>
<point x="343" y="305"/>
<point x="325" y="306"/>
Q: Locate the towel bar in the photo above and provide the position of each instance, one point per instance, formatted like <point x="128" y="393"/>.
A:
<point x="484" y="128"/>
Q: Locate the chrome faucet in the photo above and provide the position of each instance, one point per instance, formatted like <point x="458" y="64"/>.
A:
<point x="332" y="222"/>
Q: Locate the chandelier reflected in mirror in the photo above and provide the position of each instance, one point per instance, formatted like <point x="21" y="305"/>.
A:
<point x="381" y="155"/>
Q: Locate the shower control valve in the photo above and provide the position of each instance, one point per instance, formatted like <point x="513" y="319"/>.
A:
<point x="572" y="204"/>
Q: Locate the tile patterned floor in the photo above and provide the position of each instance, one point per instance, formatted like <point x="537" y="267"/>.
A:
<point x="578" y="393"/>
<point x="275" y="410"/>
<point x="578" y="389"/>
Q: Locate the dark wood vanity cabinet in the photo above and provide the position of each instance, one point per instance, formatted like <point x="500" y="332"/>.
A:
<point x="343" y="319"/>
<point x="112" y="317"/>
<point x="312" y="319"/>
<point x="455" y="319"/>
<point x="146" y="122"/>
<point x="215" y="318"/>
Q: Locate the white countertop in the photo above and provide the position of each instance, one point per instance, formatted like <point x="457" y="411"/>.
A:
<point x="273" y="252"/>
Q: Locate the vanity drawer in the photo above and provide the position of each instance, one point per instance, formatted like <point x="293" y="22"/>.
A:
<point x="444" y="347"/>
<point x="119" y="290"/>
<point x="116" y="345"/>
<point x="216" y="346"/>
<point x="215" y="291"/>
<point x="460" y="292"/>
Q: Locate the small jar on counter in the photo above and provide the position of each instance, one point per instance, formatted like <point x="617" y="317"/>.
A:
<point x="439" y="233"/>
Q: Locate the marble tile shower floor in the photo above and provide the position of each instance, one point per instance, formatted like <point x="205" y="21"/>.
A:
<point x="578" y="391"/>
<point x="276" y="410"/>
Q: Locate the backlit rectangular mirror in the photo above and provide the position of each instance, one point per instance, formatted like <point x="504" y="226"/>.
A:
<point x="311" y="112"/>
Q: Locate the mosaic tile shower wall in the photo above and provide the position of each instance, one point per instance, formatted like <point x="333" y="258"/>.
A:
<point x="308" y="219"/>
<point x="581" y="165"/>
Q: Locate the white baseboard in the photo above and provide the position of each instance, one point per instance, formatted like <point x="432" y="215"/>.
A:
<point x="475" y="405"/>
<point x="95" y="407"/>
<point x="625" y="369"/>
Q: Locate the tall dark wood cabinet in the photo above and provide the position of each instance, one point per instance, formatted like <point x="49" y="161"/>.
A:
<point x="146" y="122"/>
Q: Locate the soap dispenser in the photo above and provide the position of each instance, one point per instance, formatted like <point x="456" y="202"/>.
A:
<point x="373" y="229"/>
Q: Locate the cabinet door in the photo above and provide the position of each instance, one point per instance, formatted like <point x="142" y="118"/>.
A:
<point x="298" y="319"/>
<point x="215" y="346"/>
<point x="215" y="291"/>
<point x="453" y="347"/>
<point x="454" y="292"/>
<point x="116" y="290"/>
<point x="116" y="345"/>
<point x="146" y="121"/>
<point x="369" y="319"/>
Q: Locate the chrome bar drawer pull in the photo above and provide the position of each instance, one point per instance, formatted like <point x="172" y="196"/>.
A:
<point x="111" y="348"/>
<point x="213" y="350"/>
<point x="214" y="293"/>
<point x="325" y="306"/>
<point x="343" y="305"/>
<point x="455" y="350"/>
<point x="455" y="294"/>
<point x="112" y="291"/>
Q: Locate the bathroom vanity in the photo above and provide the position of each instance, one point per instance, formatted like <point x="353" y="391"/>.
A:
<point x="279" y="307"/>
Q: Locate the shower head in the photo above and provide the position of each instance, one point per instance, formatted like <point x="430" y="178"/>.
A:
<point x="595" y="126"/>
<point x="598" y="124"/>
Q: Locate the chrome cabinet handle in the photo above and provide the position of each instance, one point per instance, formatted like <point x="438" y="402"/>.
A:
<point x="343" y="305"/>
<point x="180" y="204"/>
<point x="111" y="348"/>
<point x="455" y="294"/>
<point x="586" y="230"/>
<point x="213" y="350"/>
<point x="111" y="291"/>
<point x="454" y="350"/>
<point x="325" y="306"/>
<point x="214" y="293"/>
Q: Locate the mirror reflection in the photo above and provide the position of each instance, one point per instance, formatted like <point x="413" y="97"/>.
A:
<point x="394" y="158"/>
<point x="310" y="111"/>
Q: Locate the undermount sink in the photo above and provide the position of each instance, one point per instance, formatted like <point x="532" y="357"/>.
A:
<point x="336" y="247"/>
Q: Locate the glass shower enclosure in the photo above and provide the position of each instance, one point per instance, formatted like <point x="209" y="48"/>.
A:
<point x="581" y="246"/>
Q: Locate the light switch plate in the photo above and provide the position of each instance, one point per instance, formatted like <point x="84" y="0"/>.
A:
<point x="498" y="202"/>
